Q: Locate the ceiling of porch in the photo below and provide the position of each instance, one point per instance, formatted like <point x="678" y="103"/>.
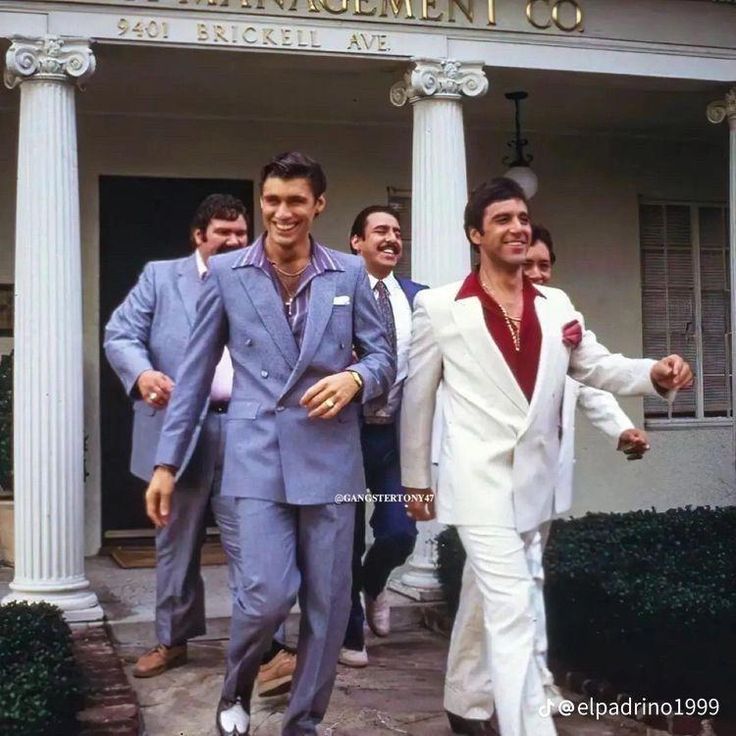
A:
<point x="245" y="85"/>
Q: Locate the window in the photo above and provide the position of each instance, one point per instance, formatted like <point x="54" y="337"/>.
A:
<point x="686" y="302"/>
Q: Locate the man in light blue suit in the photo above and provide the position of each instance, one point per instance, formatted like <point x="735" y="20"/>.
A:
<point x="145" y="340"/>
<point x="290" y="312"/>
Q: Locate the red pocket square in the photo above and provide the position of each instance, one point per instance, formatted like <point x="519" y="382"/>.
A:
<point x="572" y="334"/>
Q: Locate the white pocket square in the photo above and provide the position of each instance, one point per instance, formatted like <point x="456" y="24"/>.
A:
<point x="345" y="299"/>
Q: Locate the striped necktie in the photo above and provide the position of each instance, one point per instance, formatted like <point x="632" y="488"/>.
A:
<point x="376" y="411"/>
<point x="384" y="304"/>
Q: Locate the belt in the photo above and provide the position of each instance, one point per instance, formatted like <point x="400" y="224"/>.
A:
<point x="219" y="407"/>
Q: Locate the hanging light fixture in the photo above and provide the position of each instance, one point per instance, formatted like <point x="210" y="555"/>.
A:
<point x="519" y="170"/>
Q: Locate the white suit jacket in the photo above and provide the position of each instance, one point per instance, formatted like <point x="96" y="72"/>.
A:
<point x="499" y="453"/>
<point x="604" y="414"/>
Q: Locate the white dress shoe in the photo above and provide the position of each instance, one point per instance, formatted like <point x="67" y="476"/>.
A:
<point x="353" y="657"/>
<point x="378" y="614"/>
<point x="232" y="720"/>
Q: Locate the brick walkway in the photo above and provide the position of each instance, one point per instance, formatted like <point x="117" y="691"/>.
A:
<point x="112" y="705"/>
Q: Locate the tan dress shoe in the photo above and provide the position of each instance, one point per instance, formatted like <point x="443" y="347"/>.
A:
<point x="274" y="677"/>
<point x="159" y="659"/>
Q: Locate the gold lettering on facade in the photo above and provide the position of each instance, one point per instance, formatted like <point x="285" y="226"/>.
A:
<point x="144" y="28"/>
<point x="577" y="24"/>
<point x="396" y="7"/>
<point x="335" y="11"/>
<point x="491" y="12"/>
<point x="554" y="16"/>
<point x="368" y="42"/>
<point x="428" y="5"/>
<point x="466" y="10"/>
<point x="360" y="10"/>
<point x="281" y="37"/>
<point x="532" y="18"/>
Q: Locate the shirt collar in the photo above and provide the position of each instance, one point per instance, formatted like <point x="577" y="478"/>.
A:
<point x="321" y="258"/>
<point x="201" y="265"/>
<point x="472" y="287"/>
<point x="390" y="281"/>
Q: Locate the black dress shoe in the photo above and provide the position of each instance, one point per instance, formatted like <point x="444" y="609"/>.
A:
<point x="221" y="706"/>
<point x="470" y="726"/>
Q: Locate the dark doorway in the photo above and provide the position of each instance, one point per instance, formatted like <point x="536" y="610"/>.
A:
<point x="141" y="219"/>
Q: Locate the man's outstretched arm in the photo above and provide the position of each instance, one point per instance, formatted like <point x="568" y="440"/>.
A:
<point x="605" y="414"/>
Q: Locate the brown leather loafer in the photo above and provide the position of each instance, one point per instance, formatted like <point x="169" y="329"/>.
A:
<point x="159" y="659"/>
<point x="274" y="677"/>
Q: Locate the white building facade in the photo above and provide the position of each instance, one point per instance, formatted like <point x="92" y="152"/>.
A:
<point x="631" y="117"/>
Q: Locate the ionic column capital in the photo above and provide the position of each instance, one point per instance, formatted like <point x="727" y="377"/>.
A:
<point x="50" y="58"/>
<point x="441" y="79"/>
<point x="719" y="110"/>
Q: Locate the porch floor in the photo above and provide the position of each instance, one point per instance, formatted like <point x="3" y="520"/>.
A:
<point x="400" y="692"/>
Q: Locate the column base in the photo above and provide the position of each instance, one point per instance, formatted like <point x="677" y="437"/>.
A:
<point x="421" y="574"/>
<point x="76" y="606"/>
<point x="414" y="592"/>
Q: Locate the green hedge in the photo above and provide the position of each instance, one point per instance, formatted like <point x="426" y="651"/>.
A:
<point x="645" y="600"/>
<point x="6" y="422"/>
<point x="41" y="685"/>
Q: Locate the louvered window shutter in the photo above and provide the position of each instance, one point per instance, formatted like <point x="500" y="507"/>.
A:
<point x="685" y="301"/>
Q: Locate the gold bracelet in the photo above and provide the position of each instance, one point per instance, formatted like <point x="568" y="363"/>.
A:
<point x="357" y="378"/>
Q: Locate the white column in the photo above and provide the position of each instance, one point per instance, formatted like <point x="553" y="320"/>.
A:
<point x="48" y="402"/>
<point x="440" y="250"/>
<point x="717" y="112"/>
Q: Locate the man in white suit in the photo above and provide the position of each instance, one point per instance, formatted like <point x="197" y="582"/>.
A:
<point x="468" y="688"/>
<point x="502" y="348"/>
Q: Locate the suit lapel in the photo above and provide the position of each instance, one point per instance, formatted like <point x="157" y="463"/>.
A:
<point x="468" y="316"/>
<point x="189" y="285"/>
<point x="267" y="303"/>
<point x="547" y="326"/>
<point x="321" y="296"/>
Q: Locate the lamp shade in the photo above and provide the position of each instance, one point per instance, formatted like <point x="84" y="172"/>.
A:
<point x="525" y="178"/>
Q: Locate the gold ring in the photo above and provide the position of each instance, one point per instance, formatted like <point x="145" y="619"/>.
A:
<point x="329" y="403"/>
<point x="152" y="396"/>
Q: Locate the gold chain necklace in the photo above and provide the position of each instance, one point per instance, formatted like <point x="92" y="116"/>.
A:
<point x="289" y="274"/>
<point x="513" y="323"/>
<point x="280" y="275"/>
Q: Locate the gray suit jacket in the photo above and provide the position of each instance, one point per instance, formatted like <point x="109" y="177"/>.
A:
<point x="149" y="331"/>
<point x="273" y="451"/>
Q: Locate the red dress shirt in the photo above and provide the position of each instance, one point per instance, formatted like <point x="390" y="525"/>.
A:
<point x="525" y="362"/>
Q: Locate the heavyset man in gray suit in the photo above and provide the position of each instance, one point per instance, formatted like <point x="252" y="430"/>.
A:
<point x="290" y="312"/>
<point x="145" y="342"/>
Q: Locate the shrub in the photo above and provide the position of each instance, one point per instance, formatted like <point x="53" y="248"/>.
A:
<point x="645" y="600"/>
<point x="41" y="685"/>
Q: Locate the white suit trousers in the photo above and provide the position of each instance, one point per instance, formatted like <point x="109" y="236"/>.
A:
<point x="493" y="658"/>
